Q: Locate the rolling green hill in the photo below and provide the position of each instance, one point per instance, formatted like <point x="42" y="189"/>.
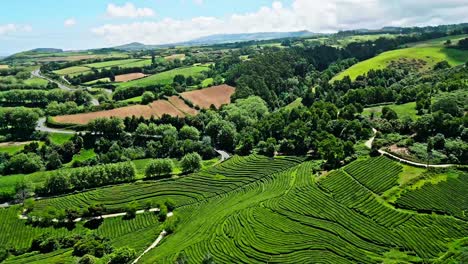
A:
<point x="426" y="54"/>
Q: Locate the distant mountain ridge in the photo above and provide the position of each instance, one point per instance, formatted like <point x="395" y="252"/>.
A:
<point x="46" y="50"/>
<point x="221" y="39"/>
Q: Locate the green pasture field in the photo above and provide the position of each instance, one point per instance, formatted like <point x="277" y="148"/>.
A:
<point x="72" y="70"/>
<point x="109" y="64"/>
<point x="403" y="110"/>
<point x="164" y="77"/>
<point x="98" y="80"/>
<point x="136" y="100"/>
<point x="13" y="149"/>
<point x="59" y="139"/>
<point x="431" y="52"/>
<point x="36" y="81"/>
<point x="207" y="82"/>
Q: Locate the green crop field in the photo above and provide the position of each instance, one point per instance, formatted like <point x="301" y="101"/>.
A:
<point x="431" y="52"/>
<point x="138" y="232"/>
<point x="165" y="77"/>
<point x="290" y="217"/>
<point x="72" y="70"/>
<point x="108" y="64"/>
<point x="36" y="81"/>
<point x="257" y="209"/>
<point x="403" y="110"/>
<point x="445" y="197"/>
<point x="59" y="139"/>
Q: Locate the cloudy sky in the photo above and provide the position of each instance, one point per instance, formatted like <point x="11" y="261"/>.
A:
<point x="86" y="24"/>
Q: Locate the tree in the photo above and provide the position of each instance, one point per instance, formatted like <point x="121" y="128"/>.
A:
<point x="331" y="150"/>
<point x="181" y="258"/>
<point x="158" y="168"/>
<point x="4" y="254"/>
<point x="87" y="259"/>
<point x="191" y="162"/>
<point x="53" y="161"/>
<point x="147" y="97"/>
<point x="131" y="210"/>
<point x="57" y="183"/>
<point x="208" y="259"/>
<point x="189" y="132"/>
<point x="388" y="113"/>
<point x="442" y="65"/>
<point x="23" y="190"/>
<point x="123" y="256"/>
<point x="24" y="163"/>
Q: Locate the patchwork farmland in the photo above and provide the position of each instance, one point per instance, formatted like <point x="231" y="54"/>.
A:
<point x="174" y="106"/>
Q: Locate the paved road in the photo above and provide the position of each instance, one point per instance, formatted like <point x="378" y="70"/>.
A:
<point x="37" y="73"/>
<point x="224" y="155"/>
<point x="41" y="126"/>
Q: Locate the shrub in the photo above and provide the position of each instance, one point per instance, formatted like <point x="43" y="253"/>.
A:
<point x="87" y="259"/>
<point x="162" y="215"/>
<point x="3" y="254"/>
<point x="191" y="162"/>
<point x="123" y="255"/>
<point x="147" y="97"/>
<point x="158" y="168"/>
<point x="170" y="204"/>
<point x="131" y="210"/>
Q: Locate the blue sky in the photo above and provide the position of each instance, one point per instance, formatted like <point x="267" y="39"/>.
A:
<point x="83" y="24"/>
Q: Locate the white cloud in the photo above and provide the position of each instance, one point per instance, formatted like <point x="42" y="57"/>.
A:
<point x="14" y="28"/>
<point x="69" y="22"/>
<point x="128" y="10"/>
<point x="312" y="15"/>
<point x="198" y="2"/>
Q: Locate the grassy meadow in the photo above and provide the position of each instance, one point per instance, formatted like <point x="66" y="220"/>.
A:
<point x="431" y="52"/>
<point x="165" y="77"/>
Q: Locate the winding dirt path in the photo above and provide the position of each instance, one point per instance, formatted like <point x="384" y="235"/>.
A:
<point x="369" y="143"/>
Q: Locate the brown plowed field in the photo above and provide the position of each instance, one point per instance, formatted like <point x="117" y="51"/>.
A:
<point x="161" y="107"/>
<point x="156" y="109"/>
<point x="216" y="95"/>
<point x="85" y="118"/>
<point x="182" y="106"/>
<point x="129" y="77"/>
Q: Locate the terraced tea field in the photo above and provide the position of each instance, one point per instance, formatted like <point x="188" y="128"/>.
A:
<point x="256" y="209"/>
<point x="294" y="218"/>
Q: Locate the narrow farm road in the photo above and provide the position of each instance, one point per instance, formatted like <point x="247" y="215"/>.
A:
<point x="41" y="126"/>
<point x="224" y="155"/>
<point x="369" y="143"/>
<point x="152" y="210"/>
<point x="416" y="164"/>
<point x="155" y="243"/>
<point x="371" y="140"/>
<point x="37" y="73"/>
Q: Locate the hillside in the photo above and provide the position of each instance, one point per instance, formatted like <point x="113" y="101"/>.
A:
<point x="422" y="56"/>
